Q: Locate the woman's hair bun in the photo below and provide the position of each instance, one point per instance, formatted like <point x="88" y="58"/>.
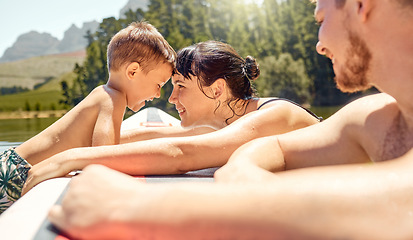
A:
<point x="252" y="68"/>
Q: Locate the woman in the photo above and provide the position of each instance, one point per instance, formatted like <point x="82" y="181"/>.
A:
<point x="215" y="63"/>
<point x="219" y="113"/>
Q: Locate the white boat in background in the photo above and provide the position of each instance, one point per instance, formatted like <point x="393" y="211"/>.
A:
<point x="150" y="117"/>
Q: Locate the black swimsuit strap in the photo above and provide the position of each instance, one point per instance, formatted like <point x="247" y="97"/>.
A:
<point x="288" y="100"/>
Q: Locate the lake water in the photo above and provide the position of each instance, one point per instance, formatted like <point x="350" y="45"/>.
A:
<point x="15" y="131"/>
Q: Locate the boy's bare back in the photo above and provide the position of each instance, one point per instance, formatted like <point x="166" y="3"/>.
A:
<point x="94" y="121"/>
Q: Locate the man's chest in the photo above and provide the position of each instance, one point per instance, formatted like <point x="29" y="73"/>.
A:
<point x="395" y="142"/>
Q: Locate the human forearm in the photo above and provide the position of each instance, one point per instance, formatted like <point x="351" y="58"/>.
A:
<point x="147" y="133"/>
<point x="207" y="211"/>
<point x="140" y="158"/>
<point x="346" y="202"/>
<point x="178" y="211"/>
<point x="350" y="202"/>
<point x="253" y="161"/>
<point x="365" y="201"/>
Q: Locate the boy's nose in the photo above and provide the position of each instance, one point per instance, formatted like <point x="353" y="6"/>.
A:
<point x="158" y="94"/>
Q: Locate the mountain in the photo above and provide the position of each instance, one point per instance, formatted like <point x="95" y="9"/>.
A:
<point x="31" y="44"/>
<point x="134" y="5"/>
<point x="74" y="37"/>
<point x="34" y="44"/>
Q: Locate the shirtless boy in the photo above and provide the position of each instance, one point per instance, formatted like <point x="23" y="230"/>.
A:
<point x="140" y="62"/>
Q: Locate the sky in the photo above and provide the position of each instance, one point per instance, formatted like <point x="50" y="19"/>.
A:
<point x="50" y="16"/>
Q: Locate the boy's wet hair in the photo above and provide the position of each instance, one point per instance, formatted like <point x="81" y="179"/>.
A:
<point x="142" y="43"/>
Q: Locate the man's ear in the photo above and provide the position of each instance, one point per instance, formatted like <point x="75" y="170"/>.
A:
<point x="218" y="87"/>
<point x="363" y="9"/>
<point x="132" y="69"/>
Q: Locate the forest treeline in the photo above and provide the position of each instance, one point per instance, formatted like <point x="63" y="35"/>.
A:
<point x="280" y="34"/>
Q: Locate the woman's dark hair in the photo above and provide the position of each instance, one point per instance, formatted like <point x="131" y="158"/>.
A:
<point x="212" y="60"/>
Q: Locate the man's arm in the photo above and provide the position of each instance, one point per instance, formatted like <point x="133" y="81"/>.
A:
<point x="160" y="211"/>
<point x="368" y="201"/>
<point x="341" y="139"/>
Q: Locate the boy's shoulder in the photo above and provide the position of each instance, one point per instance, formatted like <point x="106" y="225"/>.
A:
<point x="105" y="91"/>
<point x="104" y="95"/>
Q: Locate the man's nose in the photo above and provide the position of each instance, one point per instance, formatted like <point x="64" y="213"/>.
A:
<point x="320" y="48"/>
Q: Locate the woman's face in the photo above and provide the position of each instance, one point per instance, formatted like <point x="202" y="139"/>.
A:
<point x="194" y="108"/>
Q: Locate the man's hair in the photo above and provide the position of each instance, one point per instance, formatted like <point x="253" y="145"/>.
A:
<point x="339" y="3"/>
<point x="403" y="3"/>
<point x="142" y="43"/>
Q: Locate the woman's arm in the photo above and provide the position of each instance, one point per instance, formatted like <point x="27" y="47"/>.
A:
<point x="146" y="133"/>
<point x="173" y="155"/>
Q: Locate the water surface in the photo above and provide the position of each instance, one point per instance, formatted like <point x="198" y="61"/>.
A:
<point x="15" y="131"/>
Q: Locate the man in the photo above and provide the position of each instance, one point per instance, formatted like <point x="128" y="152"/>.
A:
<point x="368" y="47"/>
<point x="370" y="44"/>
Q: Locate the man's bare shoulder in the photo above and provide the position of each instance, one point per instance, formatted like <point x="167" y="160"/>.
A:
<point x="364" y="119"/>
<point x="368" y="121"/>
<point x="379" y="106"/>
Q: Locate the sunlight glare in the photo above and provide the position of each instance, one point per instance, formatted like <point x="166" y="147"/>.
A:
<point x="259" y="2"/>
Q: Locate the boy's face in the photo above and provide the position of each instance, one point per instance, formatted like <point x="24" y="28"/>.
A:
<point x="147" y="86"/>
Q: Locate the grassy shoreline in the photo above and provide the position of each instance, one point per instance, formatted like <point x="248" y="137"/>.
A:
<point x="32" y="114"/>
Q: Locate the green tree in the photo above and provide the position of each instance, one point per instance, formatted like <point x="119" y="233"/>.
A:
<point x="278" y="33"/>
<point x="268" y="32"/>
<point x="65" y="94"/>
<point x="37" y="106"/>
<point x="192" y="21"/>
<point x="284" y="77"/>
<point x="27" y="106"/>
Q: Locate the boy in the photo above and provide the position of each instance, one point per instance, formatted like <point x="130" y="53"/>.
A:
<point x="140" y="62"/>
